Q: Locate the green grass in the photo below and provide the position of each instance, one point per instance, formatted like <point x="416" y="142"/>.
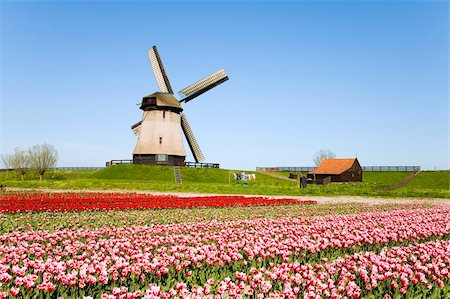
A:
<point x="155" y="178"/>
<point x="208" y="180"/>
<point x="134" y="172"/>
<point x="385" y="178"/>
<point x="284" y="173"/>
<point x="434" y="180"/>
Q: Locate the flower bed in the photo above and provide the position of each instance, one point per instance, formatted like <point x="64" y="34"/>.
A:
<point x="78" y="201"/>
<point x="421" y="269"/>
<point x="339" y="256"/>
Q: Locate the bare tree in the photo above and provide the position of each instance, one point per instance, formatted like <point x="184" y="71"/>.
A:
<point x="323" y="154"/>
<point x="42" y="157"/>
<point x="6" y="159"/>
<point x="20" y="162"/>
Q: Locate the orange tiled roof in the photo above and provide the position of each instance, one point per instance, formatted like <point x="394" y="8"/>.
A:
<point x="333" y="166"/>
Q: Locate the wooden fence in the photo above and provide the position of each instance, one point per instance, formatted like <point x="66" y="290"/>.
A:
<point x="365" y="168"/>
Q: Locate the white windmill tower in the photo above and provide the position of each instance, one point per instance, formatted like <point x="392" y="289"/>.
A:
<point x="160" y="139"/>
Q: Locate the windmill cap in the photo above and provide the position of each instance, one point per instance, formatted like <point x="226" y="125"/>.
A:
<point x="160" y="100"/>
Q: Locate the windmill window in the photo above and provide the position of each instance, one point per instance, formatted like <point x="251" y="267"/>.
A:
<point x="161" y="158"/>
<point x="160" y="140"/>
<point x="164" y="114"/>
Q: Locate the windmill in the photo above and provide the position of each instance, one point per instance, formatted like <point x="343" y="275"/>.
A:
<point x="160" y="132"/>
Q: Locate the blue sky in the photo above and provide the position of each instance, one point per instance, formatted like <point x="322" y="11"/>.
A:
<point x="366" y="79"/>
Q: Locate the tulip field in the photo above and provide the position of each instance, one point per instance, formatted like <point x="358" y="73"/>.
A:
<point x="21" y="202"/>
<point x="128" y="245"/>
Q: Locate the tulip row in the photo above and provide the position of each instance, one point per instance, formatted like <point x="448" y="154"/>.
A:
<point x="52" y="221"/>
<point x="421" y="269"/>
<point x="191" y="254"/>
<point x="73" y="201"/>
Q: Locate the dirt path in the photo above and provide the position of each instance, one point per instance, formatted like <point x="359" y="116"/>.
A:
<point x="277" y="176"/>
<point x="319" y="199"/>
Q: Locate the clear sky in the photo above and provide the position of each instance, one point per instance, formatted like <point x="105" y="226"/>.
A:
<point x="361" y="78"/>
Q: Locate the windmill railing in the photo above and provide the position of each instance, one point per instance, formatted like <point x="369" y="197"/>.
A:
<point x="115" y="162"/>
<point x="187" y="164"/>
<point x="201" y="165"/>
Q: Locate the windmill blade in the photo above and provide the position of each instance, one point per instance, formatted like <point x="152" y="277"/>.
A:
<point x="158" y="70"/>
<point x="136" y="128"/>
<point x="205" y="84"/>
<point x="193" y="145"/>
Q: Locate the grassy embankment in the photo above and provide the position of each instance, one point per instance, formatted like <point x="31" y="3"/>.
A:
<point x="160" y="178"/>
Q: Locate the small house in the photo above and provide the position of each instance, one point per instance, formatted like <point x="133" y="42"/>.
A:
<point x="337" y="170"/>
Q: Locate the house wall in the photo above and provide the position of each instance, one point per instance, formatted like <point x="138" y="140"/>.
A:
<point x="354" y="174"/>
<point x="319" y="178"/>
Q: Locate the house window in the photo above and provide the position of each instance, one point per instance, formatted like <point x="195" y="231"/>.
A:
<point x="160" y="140"/>
<point x="164" y="114"/>
<point x="161" y="158"/>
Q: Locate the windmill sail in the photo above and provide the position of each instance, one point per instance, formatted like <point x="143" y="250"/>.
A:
<point x="136" y="128"/>
<point x="193" y="145"/>
<point x="158" y="70"/>
<point x="203" y="85"/>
